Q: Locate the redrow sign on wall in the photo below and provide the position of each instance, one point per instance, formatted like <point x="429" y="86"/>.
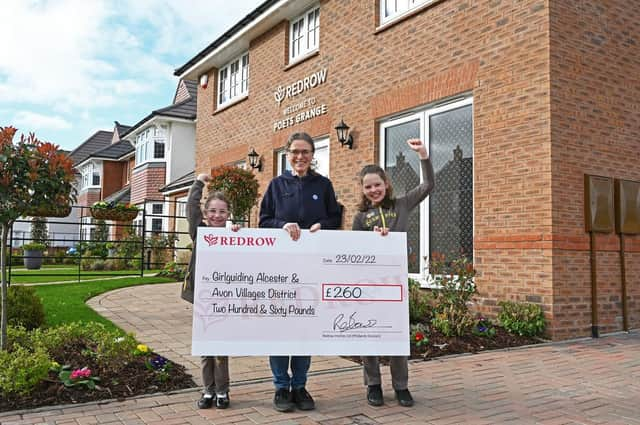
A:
<point x="305" y="109"/>
<point x="292" y="90"/>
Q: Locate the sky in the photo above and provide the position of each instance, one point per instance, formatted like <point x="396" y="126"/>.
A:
<point x="69" y="68"/>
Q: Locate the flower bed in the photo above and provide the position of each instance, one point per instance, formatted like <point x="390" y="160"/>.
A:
<point x="78" y="363"/>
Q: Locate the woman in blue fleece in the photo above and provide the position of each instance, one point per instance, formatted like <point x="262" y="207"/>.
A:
<point x="297" y="199"/>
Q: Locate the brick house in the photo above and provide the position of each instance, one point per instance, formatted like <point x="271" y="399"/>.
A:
<point x="517" y="99"/>
<point x="103" y="165"/>
<point x="164" y="144"/>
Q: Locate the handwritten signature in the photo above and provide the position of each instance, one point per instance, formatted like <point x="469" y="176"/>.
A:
<point x="341" y="324"/>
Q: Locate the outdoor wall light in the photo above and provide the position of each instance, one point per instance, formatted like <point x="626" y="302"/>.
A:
<point x="344" y="137"/>
<point x="254" y="160"/>
<point x="204" y="80"/>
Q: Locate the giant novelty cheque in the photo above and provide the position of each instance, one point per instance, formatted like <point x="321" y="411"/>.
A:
<point x="329" y="293"/>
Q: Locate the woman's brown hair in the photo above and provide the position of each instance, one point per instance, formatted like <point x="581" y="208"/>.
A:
<point x="388" y="200"/>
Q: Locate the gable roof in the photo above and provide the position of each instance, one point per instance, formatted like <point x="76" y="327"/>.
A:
<point x="185" y="109"/>
<point x="114" y="151"/>
<point x="192" y="86"/>
<point x="123" y="196"/>
<point x="180" y="183"/>
<point x="121" y="128"/>
<point x="99" y="140"/>
<point x="226" y="36"/>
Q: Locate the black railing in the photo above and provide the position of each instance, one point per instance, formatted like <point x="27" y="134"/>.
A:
<point x="94" y="248"/>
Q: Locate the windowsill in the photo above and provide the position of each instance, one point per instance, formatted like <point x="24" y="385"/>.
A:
<point x="408" y="14"/>
<point x="303" y="58"/>
<point x="84" y="189"/>
<point x="150" y="163"/>
<point x="227" y="105"/>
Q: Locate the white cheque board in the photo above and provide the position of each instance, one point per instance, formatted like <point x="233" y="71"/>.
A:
<point x="329" y="293"/>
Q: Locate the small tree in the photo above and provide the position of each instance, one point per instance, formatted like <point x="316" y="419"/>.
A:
<point x="240" y="188"/>
<point x="33" y="174"/>
<point x="39" y="231"/>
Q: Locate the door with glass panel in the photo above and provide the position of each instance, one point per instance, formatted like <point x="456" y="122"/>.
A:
<point x="444" y="223"/>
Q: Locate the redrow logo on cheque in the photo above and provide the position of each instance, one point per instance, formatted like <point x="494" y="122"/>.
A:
<point x="238" y="240"/>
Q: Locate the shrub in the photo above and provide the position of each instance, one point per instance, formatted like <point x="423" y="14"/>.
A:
<point x="33" y="246"/>
<point x="22" y="369"/>
<point x="523" y="319"/>
<point x="174" y="271"/>
<point x="24" y="307"/>
<point x="455" y="290"/>
<point x="110" y="349"/>
<point x="39" y="231"/>
<point x="419" y="306"/>
<point x="239" y="186"/>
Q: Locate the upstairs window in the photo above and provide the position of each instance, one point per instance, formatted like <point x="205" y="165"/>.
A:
<point x="304" y="34"/>
<point x="233" y="80"/>
<point x="150" y="144"/>
<point x="392" y="9"/>
<point x="90" y="176"/>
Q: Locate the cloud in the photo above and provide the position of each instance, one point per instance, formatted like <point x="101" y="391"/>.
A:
<point x="63" y="60"/>
<point x="34" y="121"/>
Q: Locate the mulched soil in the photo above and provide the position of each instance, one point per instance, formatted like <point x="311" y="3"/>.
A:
<point x="134" y="379"/>
<point x="440" y="345"/>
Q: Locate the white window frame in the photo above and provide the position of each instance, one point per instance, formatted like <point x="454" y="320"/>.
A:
<point x="87" y="173"/>
<point x="399" y="8"/>
<point x="307" y="40"/>
<point x="423" y="114"/>
<point x="181" y="207"/>
<point x="145" y="144"/>
<point x="235" y="83"/>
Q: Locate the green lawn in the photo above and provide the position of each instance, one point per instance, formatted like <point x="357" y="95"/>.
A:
<point x="65" y="303"/>
<point x="66" y="274"/>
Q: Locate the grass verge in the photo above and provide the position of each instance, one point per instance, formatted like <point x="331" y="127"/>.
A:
<point x="65" y="303"/>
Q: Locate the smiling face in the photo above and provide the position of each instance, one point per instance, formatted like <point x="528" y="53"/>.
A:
<point x="216" y="213"/>
<point x="374" y="188"/>
<point x="300" y="155"/>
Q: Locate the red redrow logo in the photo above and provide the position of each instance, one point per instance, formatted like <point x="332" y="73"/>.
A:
<point x="238" y="240"/>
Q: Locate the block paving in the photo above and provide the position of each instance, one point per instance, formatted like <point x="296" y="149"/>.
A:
<point x="589" y="381"/>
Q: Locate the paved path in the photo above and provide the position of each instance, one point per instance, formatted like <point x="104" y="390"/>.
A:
<point x="159" y="318"/>
<point x="587" y="382"/>
<point x="583" y="382"/>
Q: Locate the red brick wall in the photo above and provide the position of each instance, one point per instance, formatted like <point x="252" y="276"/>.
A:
<point x="145" y="182"/>
<point x="595" y="129"/>
<point x="111" y="177"/>
<point x="527" y="201"/>
<point x="86" y="198"/>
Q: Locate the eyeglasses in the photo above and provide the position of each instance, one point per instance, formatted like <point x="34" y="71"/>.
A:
<point x="304" y="152"/>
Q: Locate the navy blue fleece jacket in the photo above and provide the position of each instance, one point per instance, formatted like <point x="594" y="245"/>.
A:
<point x="304" y="200"/>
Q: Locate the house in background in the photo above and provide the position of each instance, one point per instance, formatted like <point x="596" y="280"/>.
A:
<point x="176" y="195"/>
<point x="103" y="163"/>
<point x="164" y="144"/>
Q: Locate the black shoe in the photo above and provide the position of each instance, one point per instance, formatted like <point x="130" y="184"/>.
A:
<point x="222" y="401"/>
<point x="303" y="399"/>
<point x="404" y="398"/>
<point x="374" y="395"/>
<point x="206" y="401"/>
<point x="282" y="401"/>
